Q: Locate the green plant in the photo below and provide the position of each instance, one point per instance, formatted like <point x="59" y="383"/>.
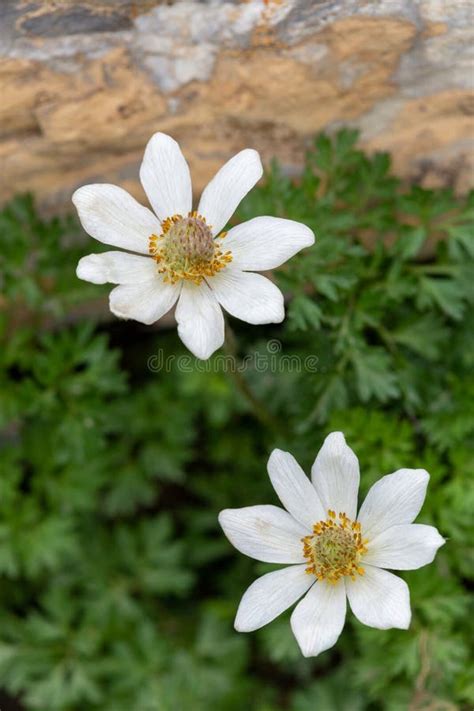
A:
<point x="117" y="589"/>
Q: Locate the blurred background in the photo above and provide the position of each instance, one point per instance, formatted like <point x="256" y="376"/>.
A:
<point x="84" y="85"/>
<point x="117" y="588"/>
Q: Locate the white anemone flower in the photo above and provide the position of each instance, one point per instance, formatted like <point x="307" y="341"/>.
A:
<point x="335" y="553"/>
<point x="179" y="255"/>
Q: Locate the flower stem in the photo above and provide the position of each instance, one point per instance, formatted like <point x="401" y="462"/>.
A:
<point x="258" y="408"/>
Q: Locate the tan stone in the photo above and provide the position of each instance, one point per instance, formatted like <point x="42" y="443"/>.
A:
<point x="430" y="137"/>
<point x="119" y="112"/>
<point x="85" y="84"/>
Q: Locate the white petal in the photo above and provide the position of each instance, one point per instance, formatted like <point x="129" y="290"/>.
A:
<point x="112" y="216"/>
<point x="294" y="489"/>
<point x="271" y="595"/>
<point x="265" y="533"/>
<point x="116" y="268"/>
<point x="146" y="302"/>
<point x="379" y="599"/>
<point x="335" y="475"/>
<point x="318" y="619"/>
<point x="228" y="187"/>
<point x="251" y="297"/>
<point x="266" y="242"/>
<point x="200" y="320"/>
<point x="393" y="499"/>
<point x="405" y="547"/>
<point x="165" y="177"/>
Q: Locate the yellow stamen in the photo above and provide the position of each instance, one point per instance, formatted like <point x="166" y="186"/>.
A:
<point x="186" y="249"/>
<point x="335" y="547"/>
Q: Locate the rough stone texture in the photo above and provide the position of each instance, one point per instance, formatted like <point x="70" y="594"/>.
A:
<point x="84" y="84"/>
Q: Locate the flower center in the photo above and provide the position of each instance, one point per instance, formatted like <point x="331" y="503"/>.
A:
<point x="334" y="548"/>
<point x="186" y="249"/>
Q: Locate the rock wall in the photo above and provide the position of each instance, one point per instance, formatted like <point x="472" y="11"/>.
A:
<point x="84" y="84"/>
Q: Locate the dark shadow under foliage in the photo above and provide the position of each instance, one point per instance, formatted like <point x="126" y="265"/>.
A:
<point x="117" y="588"/>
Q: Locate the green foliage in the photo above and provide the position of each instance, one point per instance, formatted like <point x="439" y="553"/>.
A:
<point x="117" y="588"/>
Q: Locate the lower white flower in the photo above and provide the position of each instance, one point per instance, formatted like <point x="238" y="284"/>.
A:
<point x="335" y="553"/>
<point x="188" y="259"/>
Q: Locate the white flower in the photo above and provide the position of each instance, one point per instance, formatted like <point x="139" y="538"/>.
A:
<point x="187" y="258"/>
<point x="335" y="553"/>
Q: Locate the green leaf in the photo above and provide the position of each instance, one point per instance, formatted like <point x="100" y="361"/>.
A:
<point x="374" y="376"/>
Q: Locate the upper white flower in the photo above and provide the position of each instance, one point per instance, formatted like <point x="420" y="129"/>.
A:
<point x="336" y="554"/>
<point x="187" y="256"/>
